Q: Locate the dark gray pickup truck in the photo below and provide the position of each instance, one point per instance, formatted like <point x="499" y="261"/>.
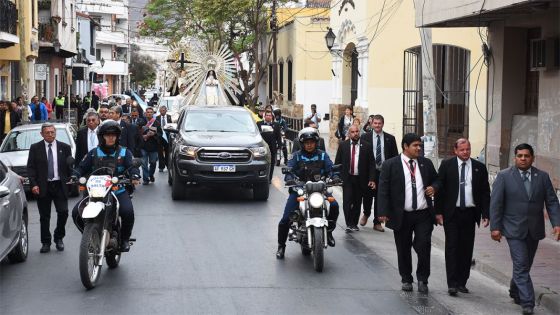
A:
<point x="218" y="145"/>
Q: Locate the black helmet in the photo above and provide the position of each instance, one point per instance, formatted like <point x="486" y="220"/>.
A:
<point x="308" y="133"/>
<point x="277" y="112"/>
<point x="108" y="127"/>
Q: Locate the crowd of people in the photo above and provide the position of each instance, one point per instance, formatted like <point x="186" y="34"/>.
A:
<point x="410" y="197"/>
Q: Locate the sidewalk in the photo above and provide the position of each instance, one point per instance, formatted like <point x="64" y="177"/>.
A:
<point x="493" y="260"/>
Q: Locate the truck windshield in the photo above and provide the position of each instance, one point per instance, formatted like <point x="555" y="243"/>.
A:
<point x="219" y="122"/>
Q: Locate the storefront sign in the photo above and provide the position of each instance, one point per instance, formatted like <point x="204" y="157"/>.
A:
<point x="40" y="72"/>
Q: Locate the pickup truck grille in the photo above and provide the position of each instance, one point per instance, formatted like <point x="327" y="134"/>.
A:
<point x="224" y="156"/>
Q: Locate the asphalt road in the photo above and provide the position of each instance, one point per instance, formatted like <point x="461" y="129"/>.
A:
<point x="214" y="254"/>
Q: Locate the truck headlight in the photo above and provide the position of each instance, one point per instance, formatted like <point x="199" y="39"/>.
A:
<point x="316" y="200"/>
<point x="259" y="152"/>
<point x="188" y="150"/>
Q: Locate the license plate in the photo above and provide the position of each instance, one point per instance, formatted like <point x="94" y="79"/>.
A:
<point x="224" y="168"/>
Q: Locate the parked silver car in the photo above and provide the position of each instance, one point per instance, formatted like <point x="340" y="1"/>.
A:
<point x="15" y="147"/>
<point x="13" y="216"/>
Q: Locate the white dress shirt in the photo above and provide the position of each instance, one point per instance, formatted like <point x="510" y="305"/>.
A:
<point x="92" y="139"/>
<point x="420" y="194"/>
<point x="55" y="158"/>
<point x="382" y="141"/>
<point x="469" y="200"/>
<point x="356" y="156"/>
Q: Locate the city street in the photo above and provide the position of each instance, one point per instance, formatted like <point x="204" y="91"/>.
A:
<point x="215" y="254"/>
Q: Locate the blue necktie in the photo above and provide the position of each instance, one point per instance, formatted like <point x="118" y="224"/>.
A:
<point x="462" y="187"/>
<point x="51" y="163"/>
<point x="527" y="183"/>
<point x="378" y="152"/>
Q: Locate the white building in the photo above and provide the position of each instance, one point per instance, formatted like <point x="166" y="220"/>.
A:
<point x="112" y="42"/>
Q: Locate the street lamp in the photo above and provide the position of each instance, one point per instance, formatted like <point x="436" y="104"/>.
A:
<point x="329" y="39"/>
<point x="56" y="46"/>
<point x="102" y="62"/>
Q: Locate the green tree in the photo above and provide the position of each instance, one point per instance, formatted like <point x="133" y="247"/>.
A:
<point x="142" y="68"/>
<point x="240" y="24"/>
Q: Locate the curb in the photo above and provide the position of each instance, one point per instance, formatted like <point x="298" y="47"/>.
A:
<point x="543" y="296"/>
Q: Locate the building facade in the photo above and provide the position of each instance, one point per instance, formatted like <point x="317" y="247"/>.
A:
<point x="11" y="22"/>
<point x="82" y="71"/>
<point x="377" y="66"/>
<point x="524" y="57"/>
<point x="112" y="42"/>
<point x="57" y="46"/>
<point x="303" y="69"/>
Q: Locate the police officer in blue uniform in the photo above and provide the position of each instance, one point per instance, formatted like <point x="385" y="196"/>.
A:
<point x="111" y="155"/>
<point x="306" y="164"/>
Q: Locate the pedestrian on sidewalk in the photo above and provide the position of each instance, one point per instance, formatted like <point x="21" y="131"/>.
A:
<point x="48" y="174"/>
<point x="38" y="110"/>
<point x="411" y="215"/>
<point x="151" y="138"/>
<point x="463" y="198"/>
<point x="358" y="172"/>
<point x="48" y="105"/>
<point x="516" y="212"/>
<point x="163" y="152"/>
<point x="384" y="147"/>
<point x="344" y="124"/>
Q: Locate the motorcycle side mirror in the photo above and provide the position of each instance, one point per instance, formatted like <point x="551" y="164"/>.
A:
<point x="70" y="161"/>
<point x="136" y="162"/>
<point x="336" y="167"/>
<point x="286" y="170"/>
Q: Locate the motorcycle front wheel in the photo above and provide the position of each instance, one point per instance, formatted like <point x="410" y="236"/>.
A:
<point x="89" y="253"/>
<point x="318" y="247"/>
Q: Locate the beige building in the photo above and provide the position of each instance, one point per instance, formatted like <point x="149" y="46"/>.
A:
<point x="377" y="69"/>
<point x="303" y="63"/>
<point x="10" y="40"/>
<point x="524" y="78"/>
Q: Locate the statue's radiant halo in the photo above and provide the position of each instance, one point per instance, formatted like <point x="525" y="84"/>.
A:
<point x="197" y="67"/>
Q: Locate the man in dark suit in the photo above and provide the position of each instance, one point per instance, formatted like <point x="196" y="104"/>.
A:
<point x="463" y="197"/>
<point x="86" y="139"/>
<point x="358" y="172"/>
<point x="516" y="212"/>
<point x="151" y="137"/>
<point x="384" y="147"/>
<point x="163" y="152"/>
<point x="128" y="131"/>
<point x="405" y="205"/>
<point x="272" y="136"/>
<point x="48" y="174"/>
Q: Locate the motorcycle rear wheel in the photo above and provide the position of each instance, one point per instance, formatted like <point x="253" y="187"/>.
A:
<point x="318" y="247"/>
<point x="89" y="251"/>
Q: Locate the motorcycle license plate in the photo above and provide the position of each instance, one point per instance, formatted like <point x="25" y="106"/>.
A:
<point x="224" y="168"/>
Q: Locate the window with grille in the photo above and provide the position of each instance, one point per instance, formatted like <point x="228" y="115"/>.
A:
<point x="290" y="78"/>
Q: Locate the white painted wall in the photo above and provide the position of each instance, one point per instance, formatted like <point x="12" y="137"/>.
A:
<point x="315" y="92"/>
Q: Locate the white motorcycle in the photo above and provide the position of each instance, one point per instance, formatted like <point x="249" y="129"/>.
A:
<point x="101" y="237"/>
<point x="308" y="223"/>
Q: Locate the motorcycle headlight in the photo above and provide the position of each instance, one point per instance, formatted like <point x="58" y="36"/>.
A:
<point x="188" y="150"/>
<point x="83" y="180"/>
<point x="259" y="152"/>
<point x="316" y="200"/>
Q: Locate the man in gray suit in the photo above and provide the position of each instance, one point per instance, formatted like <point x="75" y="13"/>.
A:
<point x="516" y="212"/>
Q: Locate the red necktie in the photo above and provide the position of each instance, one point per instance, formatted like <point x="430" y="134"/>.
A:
<point x="353" y="159"/>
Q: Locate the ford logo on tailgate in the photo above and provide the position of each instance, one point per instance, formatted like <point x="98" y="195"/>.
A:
<point x="224" y="155"/>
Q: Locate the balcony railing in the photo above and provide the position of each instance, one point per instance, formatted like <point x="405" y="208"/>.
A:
<point x="47" y="32"/>
<point x="8" y="12"/>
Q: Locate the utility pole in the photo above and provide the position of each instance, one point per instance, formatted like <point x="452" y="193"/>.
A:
<point x="23" y="66"/>
<point x="429" y="110"/>
<point x="274" y="29"/>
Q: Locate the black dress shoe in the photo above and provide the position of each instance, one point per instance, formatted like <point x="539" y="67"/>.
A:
<point x="280" y="252"/>
<point x="407" y="286"/>
<point x="527" y="311"/>
<point x="422" y="287"/>
<point x="463" y="289"/>
<point x="125" y="246"/>
<point x="452" y="291"/>
<point x="152" y="179"/>
<point x="515" y="298"/>
<point x="330" y="239"/>
<point x="355" y="228"/>
<point x="59" y="245"/>
<point x="45" y="248"/>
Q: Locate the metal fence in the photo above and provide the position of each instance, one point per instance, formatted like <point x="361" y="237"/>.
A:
<point x="8" y="20"/>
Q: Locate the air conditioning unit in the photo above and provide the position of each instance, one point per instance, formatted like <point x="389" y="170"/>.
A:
<point x="544" y="54"/>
